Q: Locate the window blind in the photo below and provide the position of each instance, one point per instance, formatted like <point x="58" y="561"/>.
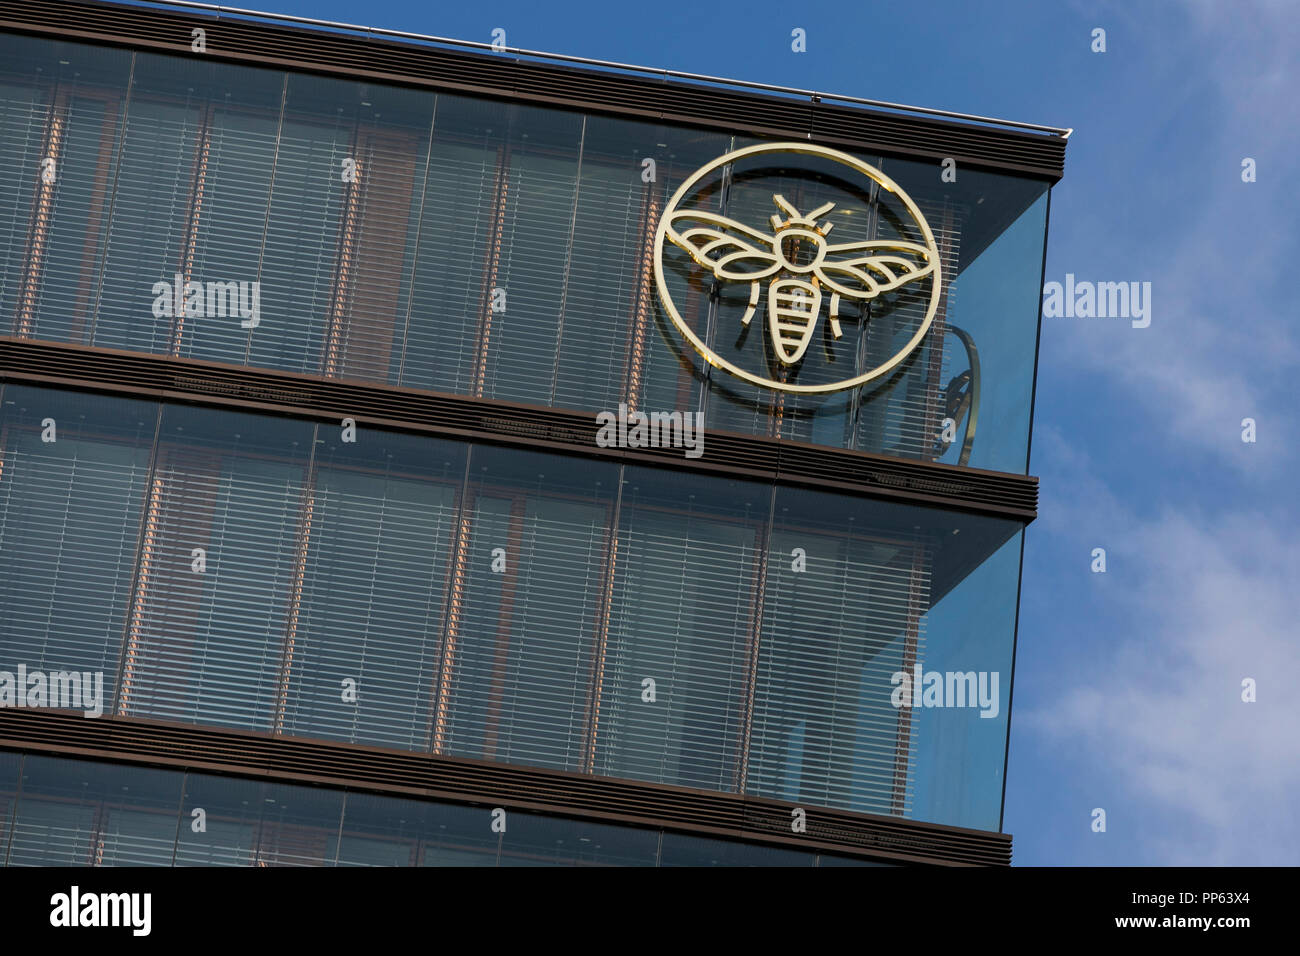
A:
<point x="370" y="605"/>
<point x="70" y="513"/>
<point x="207" y="645"/>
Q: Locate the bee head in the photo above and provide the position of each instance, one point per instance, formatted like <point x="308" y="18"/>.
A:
<point x="795" y="220"/>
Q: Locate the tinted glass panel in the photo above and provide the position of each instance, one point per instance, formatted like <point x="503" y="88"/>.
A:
<point x="266" y="573"/>
<point x="10" y="773"/>
<point x="222" y="556"/>
<point x="681" y="850"/>
<point x="76" y="813"/>
<point x="245" y="823"/>
<point x="364" y="636"/>
<point x="677" y="662"/>
<point x="536" y="840"/>
<point x="519" y="656"/>
<point x="852" y="603"/>
<point x="72" y="492"/>
<point x="382" y="831"/>
<point x="61" y="108"/>
<point x="497" y="250"/>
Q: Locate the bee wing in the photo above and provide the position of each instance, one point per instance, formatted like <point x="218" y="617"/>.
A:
<point x="873" y="267"/>
<point x="730" y="249"/>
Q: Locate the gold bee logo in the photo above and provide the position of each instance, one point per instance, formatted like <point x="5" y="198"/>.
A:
<point x="798" y="265"/>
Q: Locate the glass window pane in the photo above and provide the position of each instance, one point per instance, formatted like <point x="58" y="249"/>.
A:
<point x="681" y="850"/>
<point x="684" y="605"/>
<point x="246" y="823"/>
<point x="385" y="831"/>
<point x="831" y="859"/>
<point x="615" y="345"/>
<point x="190" y="200"/>
<point x="10" y="771"/>
<point x="207" y="638"/>
<point x="533" y="839"/>
<point x="970" y="631"/>
<point x="976" y="365"/>
<point x="839" y="628"/>
<point x="60" y="109"/>
<point x="342" y="228"/>
<point x="79" y="813"/>
<point x="70" y="513"/>
<point x="498" y="217"/>
<point x="379" y="542"/>
<point x="519" y="655"/>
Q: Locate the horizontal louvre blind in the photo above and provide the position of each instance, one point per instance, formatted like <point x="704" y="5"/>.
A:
<point x="379" y="533"/>
<point x="238" y="570"/>
<point x="458" y="252"/>
<point x="905" y="417"/>
<point x="24" y="119"/>
<point x="236" y="156"/>
<point x="70" y="513"/>
<point x="146" y="236"/>
<point x="59" y="126"/>
<point x="300" y="255"/>
<point x="520" y="657"/>
<point x="69" y="257"/>
<point x="601" y="281"/>
<point x="94" y="815"/>
<point x="378" y="235"/>
<point x="258" y="824"/>
<point x="300" y="259"/>
<point x="683" y="609"/>
<point x="525" y="657"/>
<point x="834" y="633"/>
<point x="207" y="646"/>
<point x="522" y="341"/>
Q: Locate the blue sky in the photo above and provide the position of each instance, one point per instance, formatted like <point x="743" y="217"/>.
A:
<point x="1128" y="683"/>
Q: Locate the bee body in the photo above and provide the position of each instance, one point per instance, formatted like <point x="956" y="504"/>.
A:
<point x="793" y="306"/>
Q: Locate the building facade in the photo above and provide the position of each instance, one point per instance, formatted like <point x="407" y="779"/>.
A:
<point x="330" y="529"/>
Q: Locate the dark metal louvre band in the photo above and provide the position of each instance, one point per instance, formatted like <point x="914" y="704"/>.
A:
<point x="406" y="774"/>
<point x="669" y="101"/>
<point x="551" y="429"/>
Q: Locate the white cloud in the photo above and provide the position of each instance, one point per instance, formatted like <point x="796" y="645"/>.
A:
<point x="1223" y="341"/>
<point x="1213" y="779"/>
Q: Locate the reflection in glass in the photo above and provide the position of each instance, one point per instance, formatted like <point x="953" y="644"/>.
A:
<point x="518" y="658"/>
<point x="220" y="558"/>
<point x="70" y="513"/>
<point x="674" y="675"/>
<point x="363" y="636"/>
<point x="248" y="823"/>
<point x="482" y="248"/>
<point x="78" y="813"/>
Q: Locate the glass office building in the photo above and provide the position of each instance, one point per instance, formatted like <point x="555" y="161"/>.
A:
<point x="304" y="336"/>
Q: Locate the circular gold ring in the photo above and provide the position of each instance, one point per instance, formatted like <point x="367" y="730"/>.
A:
<point x="810" y="149"/>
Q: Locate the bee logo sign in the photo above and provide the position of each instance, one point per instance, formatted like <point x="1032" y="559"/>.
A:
<point x="794" y="273"/>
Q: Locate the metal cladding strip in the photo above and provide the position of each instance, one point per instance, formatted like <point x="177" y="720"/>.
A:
<point x="456" y="416"/>
<point x="400" y="773"/>
<point x="236" y="37"/>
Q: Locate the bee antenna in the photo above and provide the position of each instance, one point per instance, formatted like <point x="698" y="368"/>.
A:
<point x="783" y="204"/>
<point x="821" y="211"/>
